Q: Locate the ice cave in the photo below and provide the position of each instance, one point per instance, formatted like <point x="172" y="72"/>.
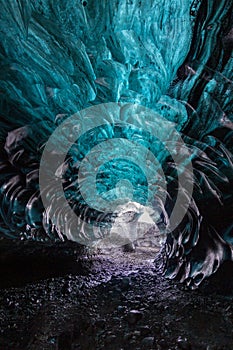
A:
<point x="116" y="174"/>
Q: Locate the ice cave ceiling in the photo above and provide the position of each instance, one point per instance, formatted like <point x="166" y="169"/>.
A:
<point x="144" y="90"/>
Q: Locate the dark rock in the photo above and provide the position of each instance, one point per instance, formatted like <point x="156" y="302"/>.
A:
<point x="100" y="323"/>
<point x="125" y="283"/>
<point x="110" y="339"/>
<point x="148" y="343"/>
<point x="128" y="336"/>
<point x="129" y="248"/>
<point x="64" y="341"/>
<point x="183" y="344"/>
<point x="134" y="316"/>
<point x="144" y="330"/>
<point x="120" y="308"/>
<point x="163" y="344"/>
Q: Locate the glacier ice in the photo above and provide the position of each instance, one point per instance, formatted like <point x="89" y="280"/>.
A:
<point x="174" y="57"/>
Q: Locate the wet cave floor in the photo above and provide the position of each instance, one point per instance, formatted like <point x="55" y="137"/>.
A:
<point x="111" y="300"/>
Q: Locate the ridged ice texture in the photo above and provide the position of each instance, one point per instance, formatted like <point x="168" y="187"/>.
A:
<point x="175" y="57"/>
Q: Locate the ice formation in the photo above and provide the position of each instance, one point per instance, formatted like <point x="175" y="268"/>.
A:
<point x="174" y="57"/>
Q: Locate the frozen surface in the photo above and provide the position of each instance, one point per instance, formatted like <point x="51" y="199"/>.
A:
<point x="174" y="57"/>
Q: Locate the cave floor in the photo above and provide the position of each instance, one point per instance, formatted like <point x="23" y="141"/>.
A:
<point x="112" y="300"/>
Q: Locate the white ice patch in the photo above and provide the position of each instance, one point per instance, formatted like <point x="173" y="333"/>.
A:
<point x="132" y="223"/>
